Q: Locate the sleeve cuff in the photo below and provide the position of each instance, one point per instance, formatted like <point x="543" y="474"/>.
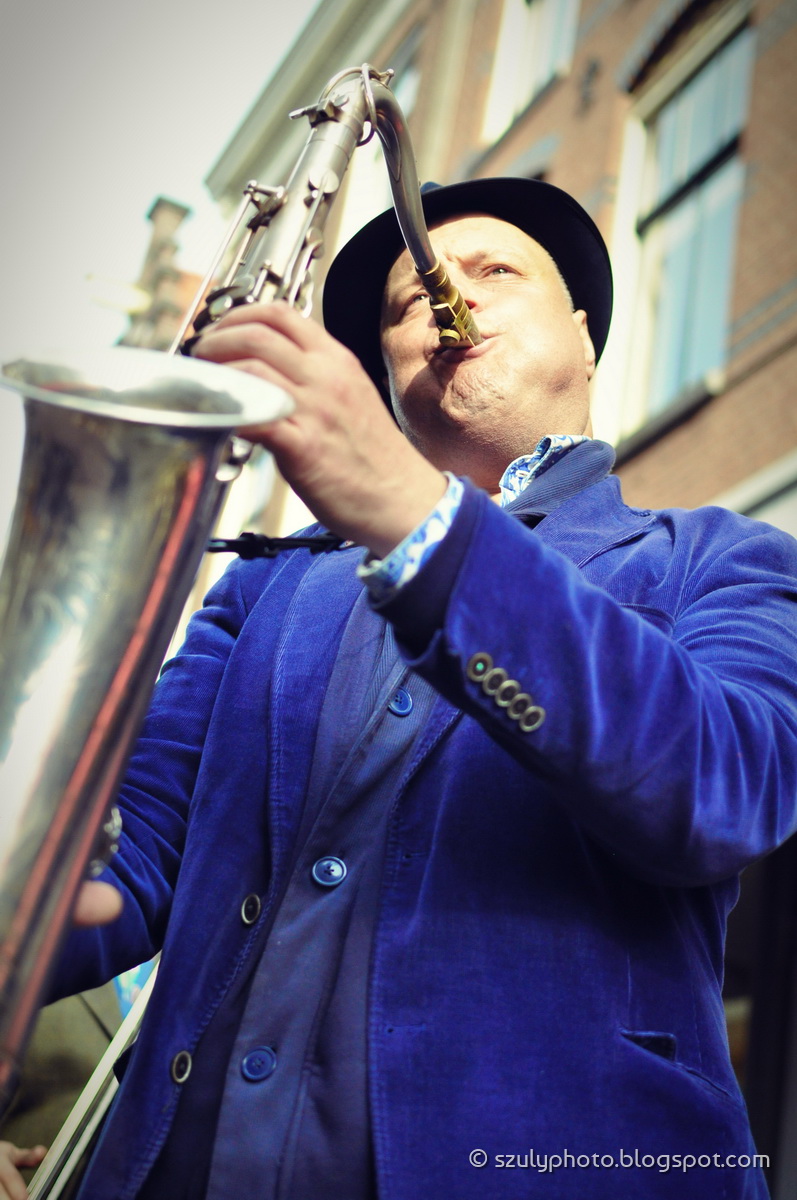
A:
<point x="418" y="610"/>
<point x="386" y="576"/>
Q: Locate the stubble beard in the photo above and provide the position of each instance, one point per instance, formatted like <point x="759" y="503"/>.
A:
<point x="479" y="428"/>
<point x="469" y="395"/>
<point x="469" y="433"/>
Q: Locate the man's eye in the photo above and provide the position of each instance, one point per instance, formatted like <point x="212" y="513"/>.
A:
<point x="501" y="269"/>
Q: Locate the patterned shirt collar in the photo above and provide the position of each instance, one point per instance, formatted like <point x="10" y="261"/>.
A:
<point x="548" y="450"/>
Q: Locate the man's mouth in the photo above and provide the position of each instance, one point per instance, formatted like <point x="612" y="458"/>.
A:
<point x="461" y="352"/>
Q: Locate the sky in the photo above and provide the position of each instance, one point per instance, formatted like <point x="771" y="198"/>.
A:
<point x="105" y="105"/>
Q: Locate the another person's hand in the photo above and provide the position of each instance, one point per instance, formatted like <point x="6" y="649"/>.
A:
<point x="12" y="1185"/>
<point x="98" y="903"/>
<point x="340" y="449"/>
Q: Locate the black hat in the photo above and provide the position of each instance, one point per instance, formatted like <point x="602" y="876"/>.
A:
<point x="356" y="279"/>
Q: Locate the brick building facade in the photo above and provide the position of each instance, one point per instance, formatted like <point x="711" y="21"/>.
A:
<point x="169" y="289"/>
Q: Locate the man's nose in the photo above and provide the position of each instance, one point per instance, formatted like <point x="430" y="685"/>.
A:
<point x="465" y="285"/>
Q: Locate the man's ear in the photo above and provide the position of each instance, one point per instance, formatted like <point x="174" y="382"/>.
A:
<point x="580" y="318"/>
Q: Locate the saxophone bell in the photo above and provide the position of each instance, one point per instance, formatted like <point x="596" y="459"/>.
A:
<point x="124" y="465"/>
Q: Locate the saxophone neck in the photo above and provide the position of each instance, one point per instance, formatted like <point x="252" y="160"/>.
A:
<point x="283" y="227"/>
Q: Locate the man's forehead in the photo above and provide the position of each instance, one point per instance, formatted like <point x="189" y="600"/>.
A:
<point x="480" y="228"/>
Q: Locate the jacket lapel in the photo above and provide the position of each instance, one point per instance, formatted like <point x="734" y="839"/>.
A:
<point x="592" y="522"/>
<point x="302" y="667"/>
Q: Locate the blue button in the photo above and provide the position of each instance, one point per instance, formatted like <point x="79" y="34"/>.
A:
<point x="401" y="704"/>
<point x="329" y="871"/>
<point x="258" y="1064"/>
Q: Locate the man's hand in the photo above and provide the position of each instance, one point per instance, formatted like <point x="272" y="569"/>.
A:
<point x="340" y="450"/>
<point x="12" y="1185"/>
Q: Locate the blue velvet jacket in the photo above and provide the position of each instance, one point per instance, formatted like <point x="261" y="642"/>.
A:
<point x="548" y="951"/>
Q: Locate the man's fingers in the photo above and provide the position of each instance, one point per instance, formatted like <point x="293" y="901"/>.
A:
<point x="278" y="318"/>
<point x="98" y="903"/>
<point x="279" y="315"/>
<point x="256" y="348"/>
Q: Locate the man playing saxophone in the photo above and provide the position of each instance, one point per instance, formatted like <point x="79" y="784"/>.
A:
<point x="439" y="833"/>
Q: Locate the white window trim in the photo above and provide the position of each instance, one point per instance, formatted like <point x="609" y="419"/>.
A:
<point x="495" y="121"/>
<point x="721" y="28"/>
<point x="759" y="488"/>
<point x="616" y="404"/>
<point x="619" y="400"/>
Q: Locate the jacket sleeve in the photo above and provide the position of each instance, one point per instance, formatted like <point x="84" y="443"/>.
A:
<point x="675" y="743"/>
<point x="156" y="796"/>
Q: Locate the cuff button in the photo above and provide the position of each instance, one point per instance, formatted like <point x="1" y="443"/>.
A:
<point x="532" y="718"/>
<point x="478" y="666"/>
<point x="506" y="693"/>
<point x="494" y="680"/>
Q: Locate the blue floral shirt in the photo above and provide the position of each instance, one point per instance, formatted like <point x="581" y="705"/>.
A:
<point x="385" y="576"/>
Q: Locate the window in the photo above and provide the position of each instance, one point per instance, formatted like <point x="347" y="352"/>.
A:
<point x="535" y="43"/>
<point x="692" y="188"/>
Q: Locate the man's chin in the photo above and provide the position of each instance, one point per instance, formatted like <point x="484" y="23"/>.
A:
<point x="460" y="407"/>
<point x="467" y="400"/>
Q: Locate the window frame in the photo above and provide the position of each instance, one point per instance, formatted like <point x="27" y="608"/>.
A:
<point x="498" y="115"/>
<point x="623" y="412"/>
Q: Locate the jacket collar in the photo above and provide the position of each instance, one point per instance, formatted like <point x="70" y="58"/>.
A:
<point x="587" y="463"/>
<point x="576" y="505"/>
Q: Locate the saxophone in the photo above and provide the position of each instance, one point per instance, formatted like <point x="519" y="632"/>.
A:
<point x="127" y="454"/>
<point x="284" y="225"/>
